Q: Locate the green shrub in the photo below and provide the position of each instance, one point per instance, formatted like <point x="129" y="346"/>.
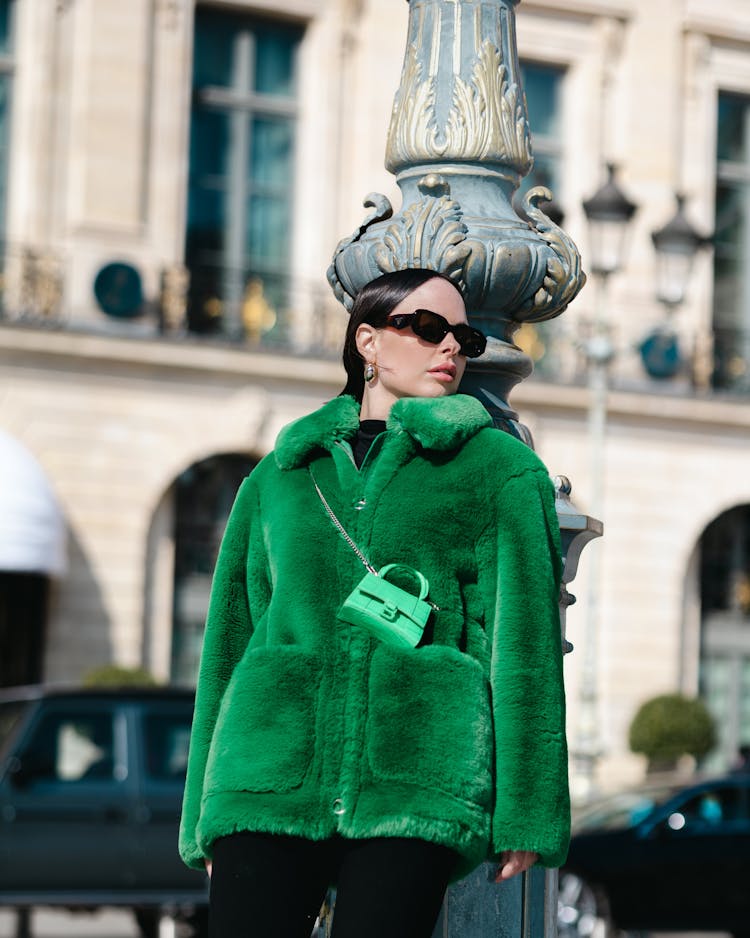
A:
<point x="670" y="726"/>
<point x="112" y="675"/>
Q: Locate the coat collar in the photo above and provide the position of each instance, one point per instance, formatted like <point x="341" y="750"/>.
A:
<point x="442" y="423"/>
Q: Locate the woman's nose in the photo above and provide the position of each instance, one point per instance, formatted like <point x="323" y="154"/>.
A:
<point x="450" y="344"/>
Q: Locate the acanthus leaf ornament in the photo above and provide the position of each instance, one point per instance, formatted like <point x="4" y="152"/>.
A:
<point x="412" y="135"/>
<point x="487" y="120"/>
<point x="429" y="233"/>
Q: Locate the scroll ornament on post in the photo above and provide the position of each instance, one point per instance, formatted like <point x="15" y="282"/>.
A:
<point x="432" y="233"/>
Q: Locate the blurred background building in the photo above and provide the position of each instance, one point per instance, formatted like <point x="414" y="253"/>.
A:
<point x="174" y="178"/>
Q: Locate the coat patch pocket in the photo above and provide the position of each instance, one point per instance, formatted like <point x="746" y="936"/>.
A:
<point x="265" y="731"/>
<point x="429" y="721"/>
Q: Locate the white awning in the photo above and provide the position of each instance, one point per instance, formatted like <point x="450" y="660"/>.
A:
<point x="32" y="527"/>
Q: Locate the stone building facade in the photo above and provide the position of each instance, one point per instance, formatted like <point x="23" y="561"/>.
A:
<point x="175" y="177"/>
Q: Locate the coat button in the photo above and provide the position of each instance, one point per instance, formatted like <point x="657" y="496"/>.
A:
<point x="338" y="806"/>
<point x="360" y="503"/>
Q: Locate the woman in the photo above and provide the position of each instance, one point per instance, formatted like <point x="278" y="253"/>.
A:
<point x="325" y="752"/>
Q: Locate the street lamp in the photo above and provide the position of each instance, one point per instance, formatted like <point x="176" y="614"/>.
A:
<point x="676" y="245"/>
<point x="608" y="213"/>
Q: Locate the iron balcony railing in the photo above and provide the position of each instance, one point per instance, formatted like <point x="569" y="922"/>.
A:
<point x="269" y="311"/>
<point x="716" y="362"/>
<point x="257" y="310"/>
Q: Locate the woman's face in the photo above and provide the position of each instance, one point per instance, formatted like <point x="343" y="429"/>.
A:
<point x="408" y="366"/>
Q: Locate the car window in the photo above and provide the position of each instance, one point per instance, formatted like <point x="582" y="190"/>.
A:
<point x="623" y="810"/>
<point x="70" y="747"/>
<point x="707" y="810"/>
<point x="166" y="741"/>
<point x="10" y="714"/>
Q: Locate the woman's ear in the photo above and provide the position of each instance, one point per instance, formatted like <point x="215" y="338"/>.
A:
<point x="366" y="339"/>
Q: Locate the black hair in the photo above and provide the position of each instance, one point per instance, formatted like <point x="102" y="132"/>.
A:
<point x="373" y="305"/>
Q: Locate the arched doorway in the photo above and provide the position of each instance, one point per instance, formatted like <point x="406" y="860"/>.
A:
<point x="32" y="550"/>
<point x="724" y="676"/>
<point x="203" y="497"/>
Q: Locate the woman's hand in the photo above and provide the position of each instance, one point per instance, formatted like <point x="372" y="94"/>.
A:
<point x="513" y="862"/>
<point x="208" y="867"/>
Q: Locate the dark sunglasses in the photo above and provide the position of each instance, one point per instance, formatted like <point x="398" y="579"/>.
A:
<point x="432" y="327"/>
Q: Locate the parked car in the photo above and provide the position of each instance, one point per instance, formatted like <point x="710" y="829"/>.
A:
<point x="666" y="857"/>
<point x="90" y="790"/>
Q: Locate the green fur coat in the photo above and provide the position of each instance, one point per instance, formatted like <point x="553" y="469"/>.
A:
<point x="304" y="725"/>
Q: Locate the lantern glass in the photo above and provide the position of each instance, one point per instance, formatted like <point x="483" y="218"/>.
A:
<point x="607" y="238"/>
<point x="672" y="272"/>
<point x="676" y="245"/>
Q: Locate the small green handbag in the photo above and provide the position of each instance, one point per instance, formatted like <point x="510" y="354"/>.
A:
<point x="389" y="613"/>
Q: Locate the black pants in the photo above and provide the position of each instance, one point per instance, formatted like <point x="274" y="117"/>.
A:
<point x="268" y="886"/>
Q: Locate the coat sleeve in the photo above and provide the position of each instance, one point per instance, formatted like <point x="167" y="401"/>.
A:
<point x="522" y="581"/>
<point x="239" y="592"/>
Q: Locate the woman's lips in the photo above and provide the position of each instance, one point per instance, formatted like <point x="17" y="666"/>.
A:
<point x="446" y="373"/>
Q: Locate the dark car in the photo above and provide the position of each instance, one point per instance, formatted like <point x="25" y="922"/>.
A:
<point x="663" y="857"/>
<point x="91" y="784"/>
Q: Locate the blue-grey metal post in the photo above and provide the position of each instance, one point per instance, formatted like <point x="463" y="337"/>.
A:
<point x="459" y="145"/>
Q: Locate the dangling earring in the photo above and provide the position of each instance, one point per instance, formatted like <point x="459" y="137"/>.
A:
<point x="371" y="371"/>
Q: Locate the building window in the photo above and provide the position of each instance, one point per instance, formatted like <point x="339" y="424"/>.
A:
<point x="7" y="11"/>
<point x="725" y="630"/>
<point x="204" y="495"/>
<point x="543" y="88"/>
<point x="242" y="144"/>
<point x="731" y="318"/>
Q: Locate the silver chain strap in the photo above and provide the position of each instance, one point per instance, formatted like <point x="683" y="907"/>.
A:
<point x="340" y="526"/>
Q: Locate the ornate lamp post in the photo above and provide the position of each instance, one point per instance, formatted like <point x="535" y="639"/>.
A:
<point x="608" y="213"/>
<point x="459" y="145"/>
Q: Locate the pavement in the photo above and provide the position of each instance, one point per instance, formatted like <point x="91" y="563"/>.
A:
<point x="54" y="923"/>
<point x="119" y="923"/>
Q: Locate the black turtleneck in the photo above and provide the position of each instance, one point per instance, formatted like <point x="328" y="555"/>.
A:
<point x="368" y="430"/>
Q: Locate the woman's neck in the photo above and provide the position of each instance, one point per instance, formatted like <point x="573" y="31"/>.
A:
<point x="369" y="413"/>
<point x="375" y="406"/>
